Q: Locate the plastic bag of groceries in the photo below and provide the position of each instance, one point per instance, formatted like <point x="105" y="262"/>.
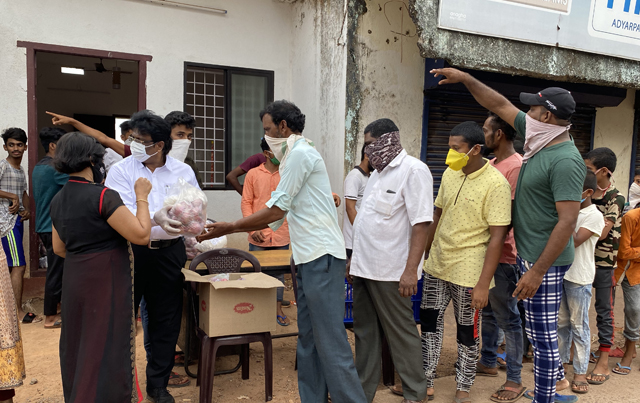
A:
<point x="188" y="205"/>
<point x="190" y="244"/>
<point x="211" y="244"/>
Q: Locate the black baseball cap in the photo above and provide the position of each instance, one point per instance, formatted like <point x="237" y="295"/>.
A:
<point x="556" y="100"/>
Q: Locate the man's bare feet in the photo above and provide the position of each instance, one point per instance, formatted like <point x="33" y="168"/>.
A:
<point x="482" y="370"/>
<point x="562" y="385"/>
<point x="52" y="321"/>
<point x="600" y="372"/>
<point x="579" y="384"/>
<point x="508" y="392"/>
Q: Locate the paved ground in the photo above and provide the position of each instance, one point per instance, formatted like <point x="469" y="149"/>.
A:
<point x="41" y="354"/>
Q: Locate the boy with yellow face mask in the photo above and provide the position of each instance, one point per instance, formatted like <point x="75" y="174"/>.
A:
<point x="473" y="212"/>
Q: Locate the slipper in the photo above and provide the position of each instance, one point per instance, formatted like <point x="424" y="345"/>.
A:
<point x="618" y="367"/>
<point x="31" y="317"/>
<point x="558" y="398"/>
<point x="283" y="323"/>
<point x="577" y="384"/>
<point x="462" y="400"/>
<point x="56" y="325"/>
<point x="395" y="391"/>
<point x="286" y="304"/>
<point x="593" y="358"/>
<point x="178" y="381"/>
<point x="520" y="392"/>
<point x="503" y="357"/>
<point x="606" y="378"/>
<point x="178" y="360"/>
<point x="481" y="372"/>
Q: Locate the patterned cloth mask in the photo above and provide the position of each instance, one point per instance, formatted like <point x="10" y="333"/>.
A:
<point x="384" y="150"/>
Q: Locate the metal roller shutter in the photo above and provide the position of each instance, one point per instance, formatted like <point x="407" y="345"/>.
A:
<point x="446" y="109"/>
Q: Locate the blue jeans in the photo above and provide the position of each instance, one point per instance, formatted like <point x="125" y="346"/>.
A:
<point x="325" y="361"/>
<point x="280" y="292"/>
<point x="631" y="310"/>
<point x="502" y="314"/>
<point x="144" y="317"/>
<point x="573" y="325"/>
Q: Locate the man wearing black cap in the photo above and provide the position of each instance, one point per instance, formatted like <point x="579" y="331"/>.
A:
<point x="545" y="211"/>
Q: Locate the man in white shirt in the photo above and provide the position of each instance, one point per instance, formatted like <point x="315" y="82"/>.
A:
<point x="354" y="185"/>
<point x="389" y="239"/>
<point x="157" y="266"/>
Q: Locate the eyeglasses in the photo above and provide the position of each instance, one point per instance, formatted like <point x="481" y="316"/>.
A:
<point x="144" y="143"/>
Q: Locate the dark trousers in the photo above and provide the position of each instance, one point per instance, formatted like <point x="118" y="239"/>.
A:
<point x="159" y="280"/>
<point x="379" y="310"/>
<point x="53" y="282"/>
<point x="605" y="296"/>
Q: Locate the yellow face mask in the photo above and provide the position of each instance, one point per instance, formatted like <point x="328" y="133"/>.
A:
<point x="457" y="160"/>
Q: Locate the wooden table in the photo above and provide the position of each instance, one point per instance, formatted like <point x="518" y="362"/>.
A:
<point x="272" y="261"/>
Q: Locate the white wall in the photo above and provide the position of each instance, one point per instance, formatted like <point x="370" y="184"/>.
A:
<point x="392" y="72"/>
<point x="260" y="34"/>
<point x="614" y="129"/>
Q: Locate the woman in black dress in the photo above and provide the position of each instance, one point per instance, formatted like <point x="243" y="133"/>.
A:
<point x="91" y="227"/>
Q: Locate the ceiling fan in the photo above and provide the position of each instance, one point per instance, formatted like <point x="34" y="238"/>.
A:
<point x="115" y="73"/>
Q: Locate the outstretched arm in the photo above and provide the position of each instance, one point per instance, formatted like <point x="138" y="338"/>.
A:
<point x="484" y="95"/>
<point x="102" y="138"/>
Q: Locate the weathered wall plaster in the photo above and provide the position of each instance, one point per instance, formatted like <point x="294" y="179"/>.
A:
<point x="389" y="76"/>
<point x="614" y="129"/>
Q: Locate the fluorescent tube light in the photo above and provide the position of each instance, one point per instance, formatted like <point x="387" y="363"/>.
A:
<point x="72" y="70"/>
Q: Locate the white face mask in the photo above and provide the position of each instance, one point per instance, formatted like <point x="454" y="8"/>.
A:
<point x="179" y="149"/>
<point x="128" y="141"/>
<point x="139" y="151"/>
<point x="634" y="195"/>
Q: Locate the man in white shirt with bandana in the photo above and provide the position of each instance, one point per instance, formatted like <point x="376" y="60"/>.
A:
<point x="389" y="239"/>
<point x="325" y="361"/>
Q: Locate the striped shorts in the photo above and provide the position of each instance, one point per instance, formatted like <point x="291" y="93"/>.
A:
<point x="12" y="245"/>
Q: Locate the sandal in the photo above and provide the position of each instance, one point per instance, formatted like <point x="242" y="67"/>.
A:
<point x="575" y="385"/>
<point x="502" y="356"/>
<point x="281" y="320"/>
<point x="31" y="317"/>
<point x="482" y="371"/>
<point x="558" y="398"/>
<point x="462" y="399"/>
<point x="178" y="360"/>
<point x="617" y="369"/>
<point x="591" y="381"/>
<point x="593" y="358"/>
<point x="394" y="389"/>
<point x="503" y="388"/>
<point x="178" y="381"/>
<point x="56" y="325"/>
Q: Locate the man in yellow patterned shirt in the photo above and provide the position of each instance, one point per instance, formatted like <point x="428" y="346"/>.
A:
<point x="473" y="212"/>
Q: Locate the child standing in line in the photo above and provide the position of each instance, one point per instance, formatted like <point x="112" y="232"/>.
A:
<point x="573" y="317"/>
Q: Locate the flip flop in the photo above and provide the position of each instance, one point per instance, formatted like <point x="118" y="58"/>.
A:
<point x="593" y="358"/>
<point x="283" y="323"/>
<point x="558" y="398"/>
<point x="618" y="367"/>
<point x="30" y="317"/>
<point x="592" y="382"/>
<point x="577" y="384"/>
<point x="56" y="325"/>
<point x="395" y="391"/>
<point x="503" y="356"/>
<point x="462" y="400"/>
<point x="178" y="381"/>
<point x="503" y="388"/>
<point x="481" y="372"/>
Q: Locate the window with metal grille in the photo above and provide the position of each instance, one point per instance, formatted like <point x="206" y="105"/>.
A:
<point x="225" y="102"/>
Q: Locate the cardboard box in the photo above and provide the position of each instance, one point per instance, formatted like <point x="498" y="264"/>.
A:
<point x="244" y="304"/>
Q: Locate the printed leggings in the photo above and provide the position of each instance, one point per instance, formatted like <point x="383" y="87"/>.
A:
<point x="436" y="295"/>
